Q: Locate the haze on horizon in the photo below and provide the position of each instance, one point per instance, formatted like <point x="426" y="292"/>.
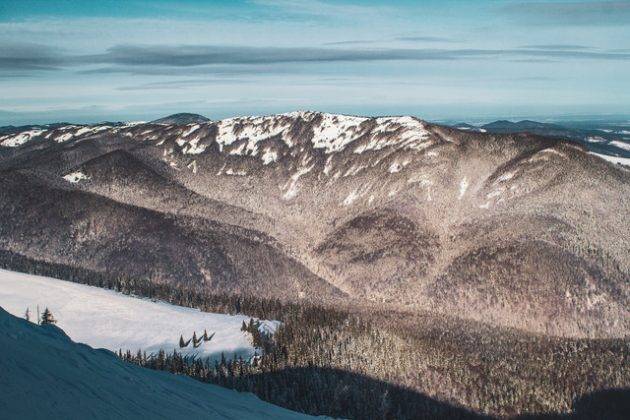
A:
<point x="78" y="61"/>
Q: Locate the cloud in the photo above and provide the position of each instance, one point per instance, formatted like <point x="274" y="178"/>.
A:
<point x="354" y="42"/>
<point x="178" y="84"/>
<point x="198" y="55"/>
<point x="28" y="57"/>
<point x="563" y="47"/>
<point x="400" y="38"/>
<point x="322" y="9"/>
<point x="580" y="13"/>
<point x="424" y="39"/>
<point x="232" y="60"/>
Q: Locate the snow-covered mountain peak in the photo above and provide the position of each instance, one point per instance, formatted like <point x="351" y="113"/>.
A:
<point x="330" y="132"/>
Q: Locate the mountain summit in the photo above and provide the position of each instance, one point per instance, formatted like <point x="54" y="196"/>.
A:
<point x="181" y="118"/>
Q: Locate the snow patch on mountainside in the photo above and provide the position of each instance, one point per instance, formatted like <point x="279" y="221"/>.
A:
<point x="76" y="177"/>
<point x="405" y="132"/>
<point x="620" y="145"/>
<point x="613" y="159"/>
<point x="190" y="130"/>
<point x="254" y="129"/>
<point x="334" y="132"/>
<point x="292" y="187"/>
<point x="395" y="167"/>
<point x="19" y="139"/>
<point x="106" y="319"/>
<point x="463" y="186"/>
<point x="269" y="156"/>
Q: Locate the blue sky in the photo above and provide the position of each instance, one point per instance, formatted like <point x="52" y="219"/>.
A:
<point x="89" y="61"/>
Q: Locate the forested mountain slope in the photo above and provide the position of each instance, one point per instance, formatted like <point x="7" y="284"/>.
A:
<point x="513" y="230"/>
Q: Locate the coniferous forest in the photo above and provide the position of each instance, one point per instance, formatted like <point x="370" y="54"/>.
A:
<point x="352" y="364"/>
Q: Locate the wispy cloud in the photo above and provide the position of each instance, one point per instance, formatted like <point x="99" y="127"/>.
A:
<point x="355" y="42"/>
<point x="27" y="56"/>
<point x="561" y="47"/>
<point x="419" y="39"/>
<point x="178" y="84"/>
<point x="228" y="60"/>
<point x="425" y="39"/>
<point x="196" y="55"/>
<point x="318" y="8"/>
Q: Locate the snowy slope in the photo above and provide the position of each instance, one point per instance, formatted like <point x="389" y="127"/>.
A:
<point x="107" y="319"/>
<point x="44" y="375"/>
<point x="613" y="159"/>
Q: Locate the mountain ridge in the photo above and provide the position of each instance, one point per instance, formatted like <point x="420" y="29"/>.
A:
<point x="392" y="211"/>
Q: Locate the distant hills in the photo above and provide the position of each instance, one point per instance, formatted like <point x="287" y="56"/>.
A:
<point x="181" y="118"/>
<point x="611" y="139"/>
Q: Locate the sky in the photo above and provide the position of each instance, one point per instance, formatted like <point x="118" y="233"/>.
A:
<point x="89" y="61"/>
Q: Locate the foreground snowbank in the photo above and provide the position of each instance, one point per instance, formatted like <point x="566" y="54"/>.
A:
<point x="106" y="319"/>
<point x="47" y="376"/>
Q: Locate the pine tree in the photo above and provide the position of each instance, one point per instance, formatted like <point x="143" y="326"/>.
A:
<point x="196" y="341"/>
<point x="207" y="337"/>
<point x="27" y="314"/>
<point x="48" y="318"/>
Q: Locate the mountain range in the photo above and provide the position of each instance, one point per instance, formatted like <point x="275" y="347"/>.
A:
<point x="610" y="140"/>
<point x="394" y="213"/>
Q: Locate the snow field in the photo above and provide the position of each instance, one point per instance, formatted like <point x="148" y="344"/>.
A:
<point x="107" y="319"/>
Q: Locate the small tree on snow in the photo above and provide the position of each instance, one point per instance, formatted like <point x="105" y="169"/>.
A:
<point x="48" y="318"/>
<point x="183" y="343"/>
<point x="207" y="337"/>
<point x="196" y="342"/>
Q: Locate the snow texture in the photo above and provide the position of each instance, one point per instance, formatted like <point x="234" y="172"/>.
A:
<point x="75" y="177"/>
<point x="614" y="159"/>
<point x="620" y="145"/>
<point x="269" y="156"/>
<point x="463" y="186"/>
<point x="106" y="319"/>
<point x="20" y="138"/>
